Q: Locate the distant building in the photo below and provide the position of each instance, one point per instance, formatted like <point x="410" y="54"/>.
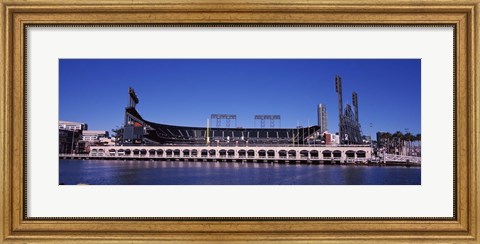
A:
<point x="94" y="135"/>
<point x="68" y="140"/>
<point x="73" y="126"/>
<point x="328" y="138"/>
<point x="107" y="141"/>
<point x="322" y="118"/>
<point x="336" y="139"/>
<point x="83" y="147"/>
<point x="331" y="139"/>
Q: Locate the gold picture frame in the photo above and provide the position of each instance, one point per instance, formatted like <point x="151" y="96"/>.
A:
<point x="17" y="14"/>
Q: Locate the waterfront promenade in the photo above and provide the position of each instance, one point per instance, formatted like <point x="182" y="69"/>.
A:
<point x="305" y="154"/>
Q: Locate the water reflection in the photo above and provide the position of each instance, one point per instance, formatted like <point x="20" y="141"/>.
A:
<point x="97" y="172"/>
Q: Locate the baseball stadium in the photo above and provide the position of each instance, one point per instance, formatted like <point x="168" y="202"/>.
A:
<point x="141" y="139"/>
<point x="144" y="139"/>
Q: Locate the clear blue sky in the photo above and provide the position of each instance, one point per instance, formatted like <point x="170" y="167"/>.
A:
<point x="187" y="91"/>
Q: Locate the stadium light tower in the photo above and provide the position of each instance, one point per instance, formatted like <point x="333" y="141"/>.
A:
<point x="338" y="89"/>
<point x="355" y="105"/>
<point x="226" y="117"/>
<point x="132" y="103"/>
<point x="132" y="98"/>
<point x="272" y="118"/>
<point x="348" y="123"/>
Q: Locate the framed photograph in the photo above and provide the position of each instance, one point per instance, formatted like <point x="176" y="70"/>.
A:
<point x="245" y="121"/>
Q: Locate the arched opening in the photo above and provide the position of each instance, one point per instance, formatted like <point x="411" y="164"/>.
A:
<point x="314" y="154"/>
<point x="143" y="152"/>
<point x="231" y="153"/>
<point x="270" y="153"/>
<point x="304" y="154"/>
<point x="136" y="152"/>
<point x="327" y="154"/>
<point x="94" y="152"/>
<point x="337" y="154"/>
<point x="121" y="152"/>
<point x="212" y="153"/>
<point x="152" y="152"/>
<point x="242" y="153"/>
<point x="194" y="153"/>
<point x="350" y="154"/>
<point x="282" y="154"/>
<point x="223" y="153"/>
<point x="361" y="154"/>
<point x="169" y="152"/>
<point x="204" y="153"/>
<point x="186" y="153"/>
<point x="112" y="152"/>
<point x="176" y="153"/>
<point x="128" y="152"/>
<point x="159" y="152"/>
<point x="292" y="154"/>
<point x="251" y="153"/>
<point x="262" y="154"/>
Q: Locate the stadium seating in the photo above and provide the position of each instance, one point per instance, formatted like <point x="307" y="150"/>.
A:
<point x="183" y="135"/>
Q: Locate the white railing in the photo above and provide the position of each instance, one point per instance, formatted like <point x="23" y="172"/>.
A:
<point x="402" y="158"/>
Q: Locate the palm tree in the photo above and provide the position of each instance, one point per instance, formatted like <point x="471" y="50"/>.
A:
<point x="418" y="138"/>
<point x="398" y="139"/>
<point x="386" y="139"/>
<point x="408" y="137"/>
<point x="389" y="141"/>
